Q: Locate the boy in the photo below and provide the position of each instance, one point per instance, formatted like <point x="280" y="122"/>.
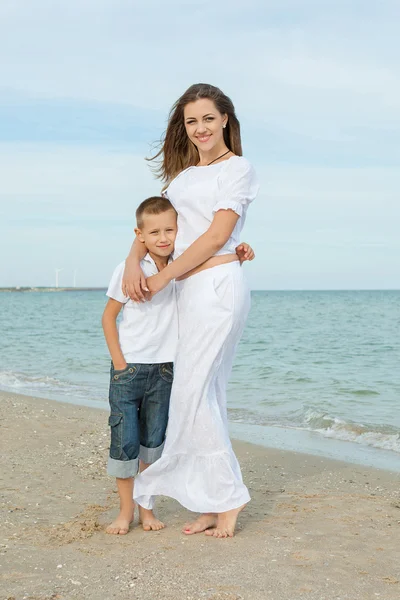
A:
<point x="142" y="354"/>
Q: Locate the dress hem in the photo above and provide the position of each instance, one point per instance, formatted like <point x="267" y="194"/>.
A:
<point x="149" y="505"/>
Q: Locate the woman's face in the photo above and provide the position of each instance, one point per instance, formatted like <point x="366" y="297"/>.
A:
<point x="204" y="124"/>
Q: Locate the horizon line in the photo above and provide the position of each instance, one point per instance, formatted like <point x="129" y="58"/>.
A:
<point x="102" y="288"/>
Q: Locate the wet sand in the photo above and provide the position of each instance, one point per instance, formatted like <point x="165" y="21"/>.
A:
<point x="316" y="528"/>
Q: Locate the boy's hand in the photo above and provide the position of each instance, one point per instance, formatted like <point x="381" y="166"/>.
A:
<point x="245" y="252"/>
<point x="120" y="366"/>
<point x="134" y="282"/>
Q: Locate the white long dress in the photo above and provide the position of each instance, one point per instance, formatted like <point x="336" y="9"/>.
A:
<point x="198" y="466"/>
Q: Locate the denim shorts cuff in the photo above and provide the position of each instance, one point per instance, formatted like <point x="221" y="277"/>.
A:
<point x="122" y="468"/>
<point x="150" y="455"/>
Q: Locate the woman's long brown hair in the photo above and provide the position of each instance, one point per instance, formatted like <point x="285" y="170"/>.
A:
<point x="177" y="152"/>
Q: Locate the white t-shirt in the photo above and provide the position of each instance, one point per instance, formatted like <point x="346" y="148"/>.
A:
<point x="148" y="331"/>
<point x="199" y="192"/>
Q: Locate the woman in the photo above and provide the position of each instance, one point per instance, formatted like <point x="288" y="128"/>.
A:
<point x="210" y="185"/>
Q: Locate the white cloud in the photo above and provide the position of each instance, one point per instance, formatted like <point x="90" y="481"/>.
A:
<point x="282" y="63"/>
<point x="298" y="72"/>
<point x="311" y="227"/>
<point x="72" y="180"/>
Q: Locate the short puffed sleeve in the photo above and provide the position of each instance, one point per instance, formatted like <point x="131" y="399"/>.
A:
<point x="114" y="290"/>
<point x="165" y="194"/>
<point x="237" y="186"/>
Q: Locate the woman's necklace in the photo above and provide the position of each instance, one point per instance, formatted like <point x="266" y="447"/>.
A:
<point x="218" y="157"/>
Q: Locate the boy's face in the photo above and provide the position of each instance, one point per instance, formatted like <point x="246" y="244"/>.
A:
<point x="158" y="232"/>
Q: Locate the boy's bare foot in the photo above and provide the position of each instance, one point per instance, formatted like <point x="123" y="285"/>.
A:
<point x="226" y="523"/>
<point x="202" y="523"/>
<point x="121" y="524"/>
<point x="149" y="521"/>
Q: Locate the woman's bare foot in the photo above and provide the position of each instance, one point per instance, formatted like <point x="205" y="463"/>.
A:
<point x="202" y="523"/>
<point x="226" y="523"/>
<point x="149" y="521"/>
<point x="121" y="524"/>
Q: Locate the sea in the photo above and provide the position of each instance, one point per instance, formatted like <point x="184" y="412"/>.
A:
<point x="315" y="372"/>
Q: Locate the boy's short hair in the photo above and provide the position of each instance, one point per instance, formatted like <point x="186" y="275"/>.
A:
<point x="152" y="206"/>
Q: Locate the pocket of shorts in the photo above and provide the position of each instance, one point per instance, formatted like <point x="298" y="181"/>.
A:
<point x="124" y="376"/>
<point x="119" y="371"/>
<point x="166" y="371"/>
<point x="115" y="419"/>
<point x="115" y="422"/>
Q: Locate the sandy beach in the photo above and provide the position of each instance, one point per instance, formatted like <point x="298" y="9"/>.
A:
<point x="316" y="528"/>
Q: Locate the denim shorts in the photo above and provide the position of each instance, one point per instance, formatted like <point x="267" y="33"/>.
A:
<point x="139" y="403"/>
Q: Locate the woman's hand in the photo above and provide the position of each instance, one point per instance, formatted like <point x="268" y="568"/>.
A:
<point x="134" y="282"/>
<point x="245" y="252"/>
<point x="156" y="283"/>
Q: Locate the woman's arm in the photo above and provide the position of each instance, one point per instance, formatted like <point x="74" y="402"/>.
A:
<point x="133" y="279"/>
<point x="201" y="250"/>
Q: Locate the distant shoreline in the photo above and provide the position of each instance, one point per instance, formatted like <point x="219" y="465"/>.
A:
<point x="53" y="289"/>
<point x="103" y="289"/>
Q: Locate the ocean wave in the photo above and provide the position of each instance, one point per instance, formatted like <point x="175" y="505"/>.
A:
<point x="20" y="382"/>
<point x="359" y="392"/>
<point x="386" y="438"/>
<point x="308" y="418"/>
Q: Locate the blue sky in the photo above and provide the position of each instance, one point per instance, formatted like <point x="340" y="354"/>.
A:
<point x="85" y="88"/>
